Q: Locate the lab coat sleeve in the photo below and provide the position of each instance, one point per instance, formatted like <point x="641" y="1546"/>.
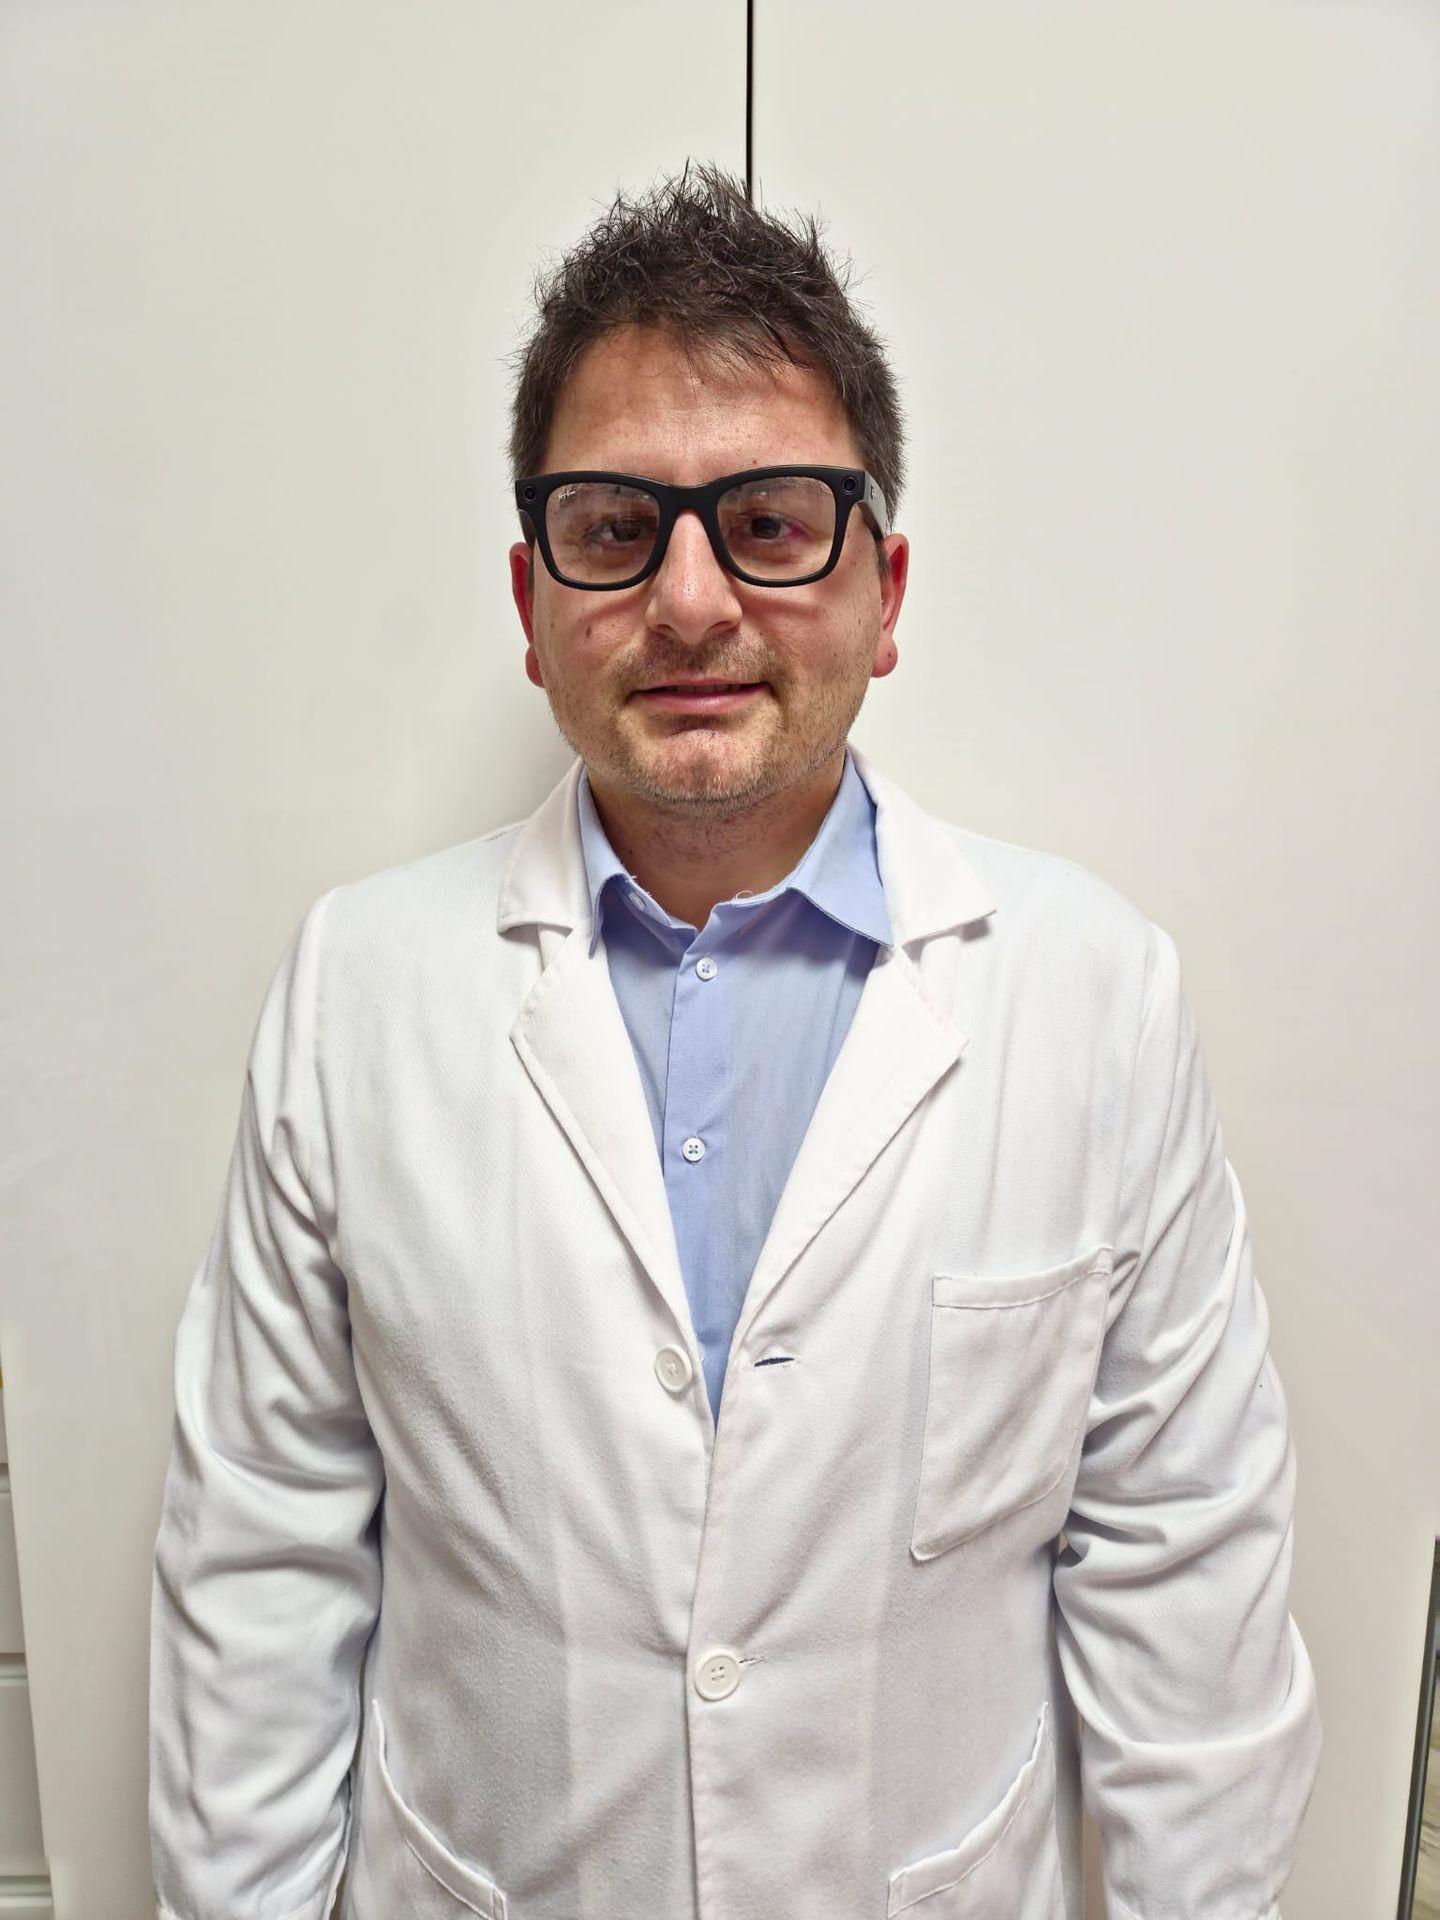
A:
<point x="266" y="1577"/>
<point x="1200" y="1730"/>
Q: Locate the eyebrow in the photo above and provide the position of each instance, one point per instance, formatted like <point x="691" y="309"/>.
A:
<point x="753" y="466"/>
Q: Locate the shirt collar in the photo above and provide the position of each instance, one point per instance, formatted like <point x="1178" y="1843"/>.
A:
<point x="838" y="872"/>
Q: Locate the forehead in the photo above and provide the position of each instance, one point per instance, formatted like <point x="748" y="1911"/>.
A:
<point x="635" y="401"/>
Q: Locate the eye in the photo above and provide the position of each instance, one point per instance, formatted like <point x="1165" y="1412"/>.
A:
<point x="622" y="531"/>
<point x="767" y="526"/>
<point x="600" y="530"/>
<point x="780" y="522"/>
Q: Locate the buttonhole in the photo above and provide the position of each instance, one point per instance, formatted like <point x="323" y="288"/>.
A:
<point x="776" y="1360"/>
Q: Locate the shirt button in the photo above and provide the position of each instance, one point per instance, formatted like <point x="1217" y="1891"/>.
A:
<point x="717" y="1674"/>
<point x="637" y="900"/>
<point x="693" y="1149"/>
<point x="706" y="969"/>
<point x="672" y="1364"/>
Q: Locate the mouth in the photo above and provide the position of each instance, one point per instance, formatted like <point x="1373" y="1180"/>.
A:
<point x="718" y="699"/>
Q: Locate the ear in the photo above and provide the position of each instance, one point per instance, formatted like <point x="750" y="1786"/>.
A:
<point x="522" y="588"/>
<point x="522" y="584"/>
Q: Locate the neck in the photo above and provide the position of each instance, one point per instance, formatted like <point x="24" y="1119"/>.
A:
<point x="689" y="863"/>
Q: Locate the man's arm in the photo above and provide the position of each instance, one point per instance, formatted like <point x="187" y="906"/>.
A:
<point x="266" y="1574"/>
<point x="1200" y="1736"/>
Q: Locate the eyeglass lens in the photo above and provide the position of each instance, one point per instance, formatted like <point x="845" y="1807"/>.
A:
<point x="778" y="529"/>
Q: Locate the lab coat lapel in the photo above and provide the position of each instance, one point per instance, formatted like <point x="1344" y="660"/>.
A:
<point x="573" y="1040"/>
<point x="571" y="1035"/>
<point x="899" y="1043"/>
<point x="896" y="1048"/>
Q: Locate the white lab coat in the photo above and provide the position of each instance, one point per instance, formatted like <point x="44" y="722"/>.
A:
<point x="1000" y="1439"/>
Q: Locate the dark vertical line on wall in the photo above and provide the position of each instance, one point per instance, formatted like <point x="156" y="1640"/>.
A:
<point x="1427" y="1745"/>
<point x="749" y="100"/>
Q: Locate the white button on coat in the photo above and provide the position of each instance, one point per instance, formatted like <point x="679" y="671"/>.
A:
<point x="717" y="1673"/>
<point x="674" y="1368"/>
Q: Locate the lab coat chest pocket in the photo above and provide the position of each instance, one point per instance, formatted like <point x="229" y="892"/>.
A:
<point x="1012" y="1363"/>
<point x="404" y="1871"/>
<point x="1007" y="1867"/>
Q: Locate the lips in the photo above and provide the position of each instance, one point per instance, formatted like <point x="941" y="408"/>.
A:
<point x="703" y="686"/>
<point x="693" y="699"/>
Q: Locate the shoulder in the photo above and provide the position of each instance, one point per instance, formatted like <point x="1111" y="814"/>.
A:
<point x="1041" y="901"/>
<point x="1049" y="892"/>
<point x="1061" y="930"/>
<point x="425" y="905"/>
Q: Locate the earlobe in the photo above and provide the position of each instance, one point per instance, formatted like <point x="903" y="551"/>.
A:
<point x="887" y="656"/>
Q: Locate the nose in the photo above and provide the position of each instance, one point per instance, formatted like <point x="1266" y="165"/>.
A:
<point x="690" y="592"/>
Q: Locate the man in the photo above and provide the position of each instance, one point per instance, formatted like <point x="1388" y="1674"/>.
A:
<point x="729" y="1297"/>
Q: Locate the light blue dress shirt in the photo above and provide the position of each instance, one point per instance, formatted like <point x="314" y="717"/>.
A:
<point x="735" y="1030"/>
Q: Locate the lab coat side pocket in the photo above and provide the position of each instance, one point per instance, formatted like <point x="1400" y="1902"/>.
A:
<point x="1012" y="1364"/>
<point x="403" y="1868"/>
<point x="1007" y="1867"/>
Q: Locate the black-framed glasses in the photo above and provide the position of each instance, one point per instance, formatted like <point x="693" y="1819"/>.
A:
<point x="769" y="526"/>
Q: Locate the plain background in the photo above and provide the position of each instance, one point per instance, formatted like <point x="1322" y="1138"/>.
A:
<point x="1161" y="283"/>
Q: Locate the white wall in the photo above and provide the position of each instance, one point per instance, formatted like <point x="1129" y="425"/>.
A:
<point x="1162" y="284"/>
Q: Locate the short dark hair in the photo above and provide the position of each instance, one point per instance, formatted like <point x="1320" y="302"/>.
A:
<point x="730" y="285"/>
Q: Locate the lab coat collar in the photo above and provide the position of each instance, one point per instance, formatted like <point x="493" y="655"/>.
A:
<point x="836" y="873"/>
<point x="930" y="886"/>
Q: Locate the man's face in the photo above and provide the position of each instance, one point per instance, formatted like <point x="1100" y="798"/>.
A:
<point x="633" y="406"/>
